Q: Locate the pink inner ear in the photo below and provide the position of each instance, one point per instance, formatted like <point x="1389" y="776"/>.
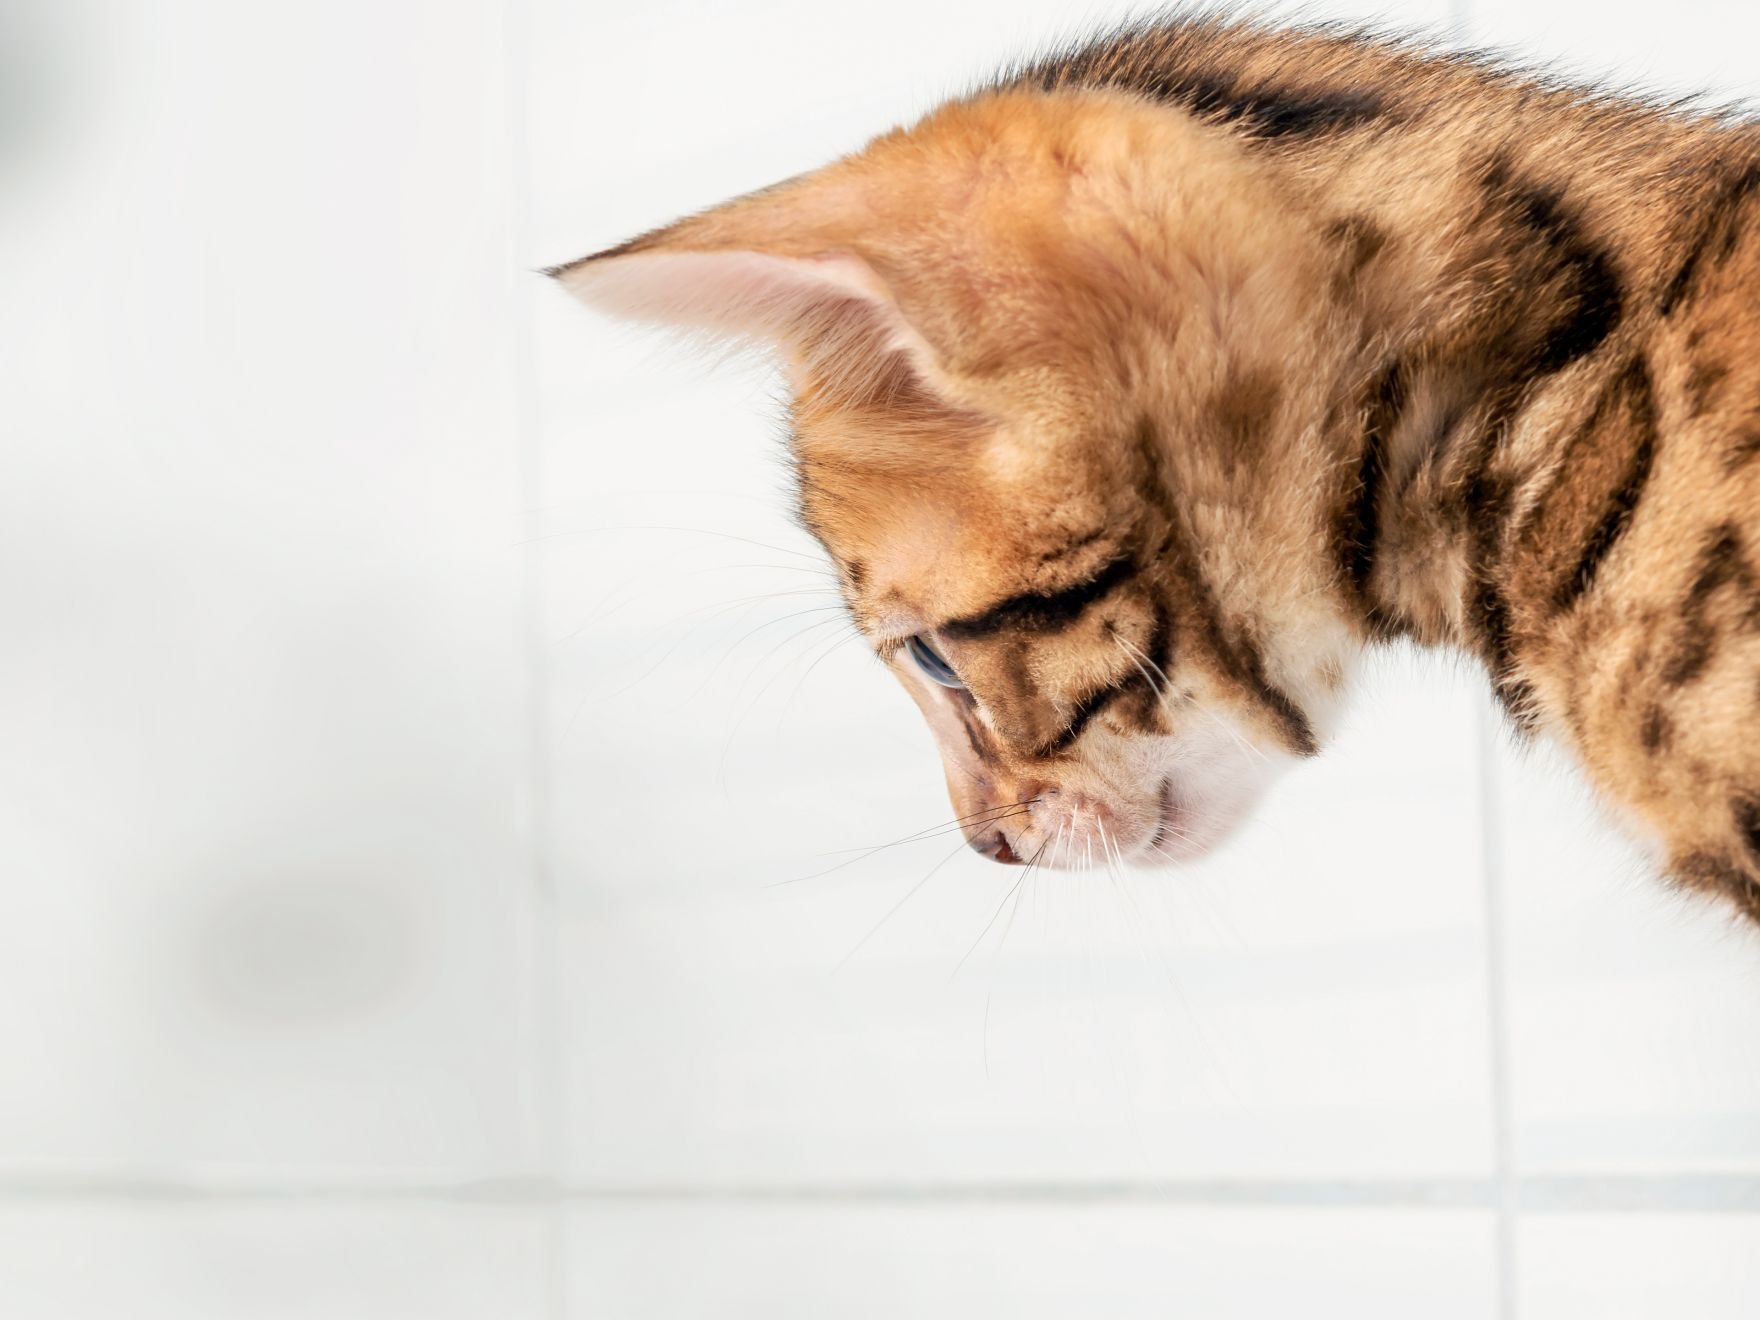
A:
<point x="739" y="293"/>
<point x="831" y="309"/>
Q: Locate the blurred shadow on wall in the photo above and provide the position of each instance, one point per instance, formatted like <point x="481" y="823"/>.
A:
<point x="36" y="83"/>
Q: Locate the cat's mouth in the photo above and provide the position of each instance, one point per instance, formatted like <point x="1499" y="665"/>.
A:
<point x="1069" y="830"/>
<point x="1167" y="822"/>
<point x="1181" y="820"/>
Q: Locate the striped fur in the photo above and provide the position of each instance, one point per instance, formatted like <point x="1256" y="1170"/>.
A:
<point x="1152" y="382"/>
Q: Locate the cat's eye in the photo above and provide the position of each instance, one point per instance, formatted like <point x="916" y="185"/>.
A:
<point x="933" y="666"/>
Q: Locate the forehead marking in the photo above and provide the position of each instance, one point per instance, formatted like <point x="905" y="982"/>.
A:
<point x="1042" y="611"/>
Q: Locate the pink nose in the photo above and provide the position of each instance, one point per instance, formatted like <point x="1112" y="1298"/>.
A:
<point x="995" y="847"/>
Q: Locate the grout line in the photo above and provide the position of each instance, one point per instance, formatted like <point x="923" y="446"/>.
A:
<point x="1433" y="1194"/>
<point x="1508" y="1201"/>
<point x="1551" y="1195"/>
<point x="540" y="948"/>
<point x="1500" y="1081"/>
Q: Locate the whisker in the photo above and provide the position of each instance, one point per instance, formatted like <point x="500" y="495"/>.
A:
<point x="671" y="650"/>
<point x="1134" y="652"/>
<point x="792" y="637"/>
<point x="1154" y="958"/>
<point x="752" y="705"/>
<point x="1232" y="732"/>
<point x="722" y="659"/>
<point x="661" y="527"/>
<point x="713" y="609"/>
<point x="1013" y="890"/>
<point x="984" y="1036"/>
<point x="837" y="644"/>
<point x="815" y="651"/>
<point x="1021" y="887"/>
<point x="982" y="818"/>
<point x="929" y="829"/>
<point x="892" y="911"/>
<point x="820" y="570"/>
<point x="590" y="697"/>
<point x="1008" y="925"/>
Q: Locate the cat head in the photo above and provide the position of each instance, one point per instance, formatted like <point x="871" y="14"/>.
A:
<point x="1063" y="369"/>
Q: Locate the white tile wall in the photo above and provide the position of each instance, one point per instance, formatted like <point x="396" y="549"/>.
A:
<point x="421" y="723"/>
<point x="1637" y="1267"/>
<point x="1236" y="1020"/>
<point x="1633" y="1010"/>
<point x="269" y="1259"/>
<point x="1025" y="1262"/>
<point x="1698" y="48"/>
<point x="263" y="878"/>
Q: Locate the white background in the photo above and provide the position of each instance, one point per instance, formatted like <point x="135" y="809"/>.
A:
<point x="412" y="765"/>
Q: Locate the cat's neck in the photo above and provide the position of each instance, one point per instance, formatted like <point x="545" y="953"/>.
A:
<point x="1507" y="283"/>
<point x="1508" y="271"/>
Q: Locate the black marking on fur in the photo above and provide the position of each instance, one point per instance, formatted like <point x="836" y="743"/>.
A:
<point x="1708" y="870"/>
<point x="1082" y="714"/>
<point x="1575" y="276"/>
<point x="1491" y="610"/>
<point x="1634" y="380"/>
<point x="1293" y="721"/>
<point x="1720" y="564"/>
<point x="1072" y="545"/>
<point x="1160" y="646"/>
<point x="1134" y="61"/>
<point x="1746" y="811"/>
<point x="1716" y="870"/>
<point x="1359" y="527"/>
<point x="1362" y="241"/>
<point x="1013" y="657"/>
<point x="1154" y="663"/>
<point x="969" y="722"/>
<point x="1239" y="659"/>
<point x="1691" y="655"/>
<point x="1565" y="302"/>
<point x="1266" y="112"/>
<point x="1487" y="503"/>
<point x="1742" y="449"/>
<point x="972" y="740"/>
<point x="1702" y="385"/>
<point x="1043" y="611"/>
<point x="1715" y="238"/>
<point x="1657" y="730"/>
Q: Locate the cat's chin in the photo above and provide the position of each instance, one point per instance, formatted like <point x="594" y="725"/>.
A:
<point x="1182" y="823"/>
<point x="1189" y="827"/>
<point x="1199" y="812"/>
<point x="1153" y="802"/>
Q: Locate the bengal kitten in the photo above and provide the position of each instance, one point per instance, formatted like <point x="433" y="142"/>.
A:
<point x="1136" y="393"/>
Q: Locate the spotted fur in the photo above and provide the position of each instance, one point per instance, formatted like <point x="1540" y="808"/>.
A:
<point x="1152" y="382"/>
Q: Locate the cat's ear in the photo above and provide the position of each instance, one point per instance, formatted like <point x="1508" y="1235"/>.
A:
<point x="779" y="267"/>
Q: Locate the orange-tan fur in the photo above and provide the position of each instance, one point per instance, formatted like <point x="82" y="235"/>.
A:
<point x="1238" y="350"/>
